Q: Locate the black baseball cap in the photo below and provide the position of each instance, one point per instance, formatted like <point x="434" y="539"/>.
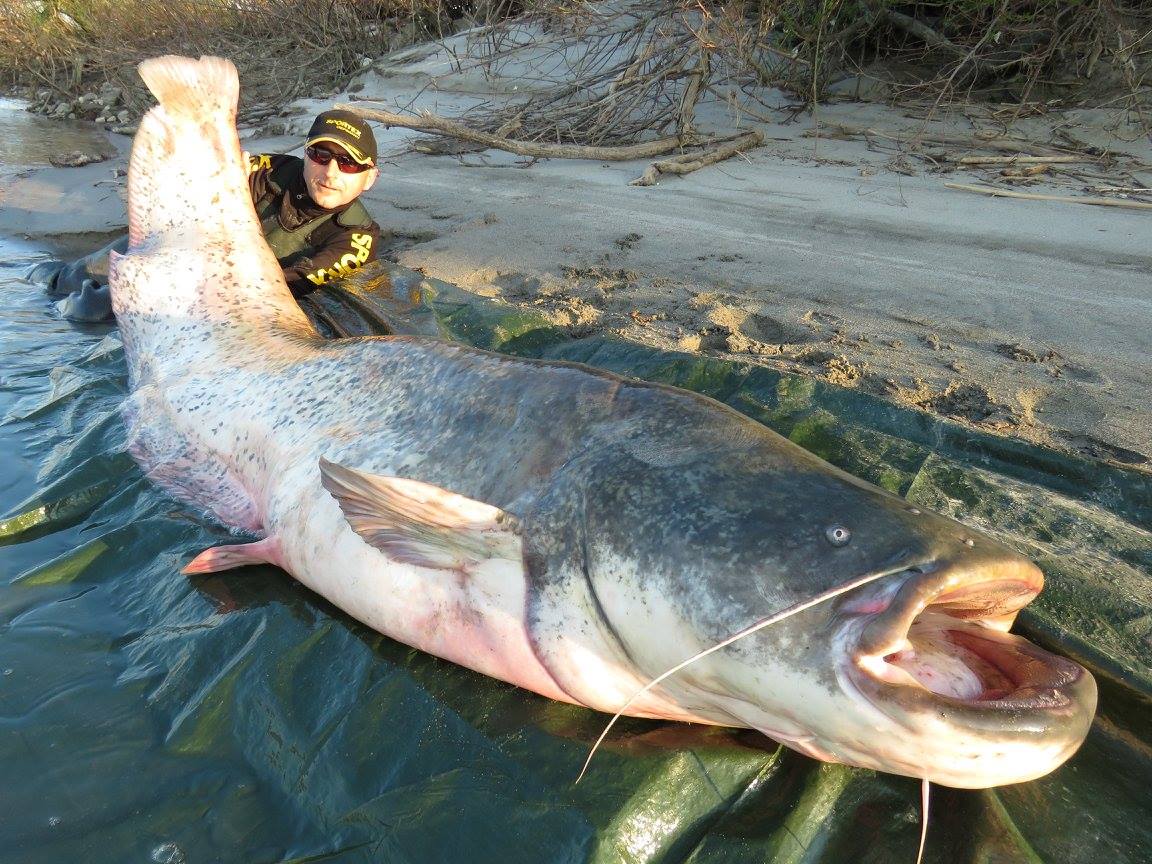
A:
<point x="347" y="129"/>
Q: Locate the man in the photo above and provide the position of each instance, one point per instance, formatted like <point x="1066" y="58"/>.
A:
<point x="309" y="210"/>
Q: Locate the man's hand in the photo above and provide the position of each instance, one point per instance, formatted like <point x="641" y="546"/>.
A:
<point x="255" y="163"/>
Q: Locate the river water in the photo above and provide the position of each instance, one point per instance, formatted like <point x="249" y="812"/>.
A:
<point x="30" y="139"/>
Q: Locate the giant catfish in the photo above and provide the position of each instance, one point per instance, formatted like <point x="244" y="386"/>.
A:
<point x="555" y="526"/>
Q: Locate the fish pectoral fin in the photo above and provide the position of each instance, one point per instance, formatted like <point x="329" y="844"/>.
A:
<point x="266" y="551"/>
<point x="421" y="524"/>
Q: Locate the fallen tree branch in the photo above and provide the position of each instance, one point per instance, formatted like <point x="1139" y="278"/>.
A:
<point x="919" y="29"/>
<point x="971" y="141"/>
<point x="427" y="122"/>
<point x="685" y="125"/>
<point x="690" y="162"/>
<point x="1032" y="196"/>
<point x="1030" y="171"/>
<point x="1122" y="190"/>
<point x="982" y="66"/>
<point x="1022" y="160"/>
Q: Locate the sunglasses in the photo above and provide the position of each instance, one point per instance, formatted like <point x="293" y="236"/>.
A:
<point x="346" y="164"/>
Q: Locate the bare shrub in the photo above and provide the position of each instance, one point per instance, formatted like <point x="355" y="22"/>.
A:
<point x="624" y="71"/>
<point x="1008" y="47"/>
<point x="282" y="48"/>
<point x="620" y="71"/>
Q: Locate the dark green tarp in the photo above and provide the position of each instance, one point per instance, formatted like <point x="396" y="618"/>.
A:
<point x="147" y="716"/>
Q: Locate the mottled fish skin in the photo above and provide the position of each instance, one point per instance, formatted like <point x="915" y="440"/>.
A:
<point x="629" y="525"/>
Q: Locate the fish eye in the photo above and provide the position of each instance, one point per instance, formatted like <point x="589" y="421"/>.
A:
<point x="838" y="535"/>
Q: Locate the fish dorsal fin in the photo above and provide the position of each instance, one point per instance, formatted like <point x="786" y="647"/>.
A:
<point x="418" y="523"/>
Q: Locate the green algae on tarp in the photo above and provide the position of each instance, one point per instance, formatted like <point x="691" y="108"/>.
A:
<point x="238" y="717"/>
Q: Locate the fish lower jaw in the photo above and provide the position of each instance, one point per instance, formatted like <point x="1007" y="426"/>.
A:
<point x="1011" y="711"/>
<point x="940" y="629"/>
<point x="968" y="663"/>
<point x="932" y="657"/>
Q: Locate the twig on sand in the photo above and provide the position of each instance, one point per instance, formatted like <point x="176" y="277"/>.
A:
<point x="1033" y="196"/>
<point x="427" y="122"/>
<point x="972" y="142"/>
<point x="1022" y="160"/>
<point x="1122" y="190"/>
<point x="1029" y="171"/>
<point x="690" y="162"/>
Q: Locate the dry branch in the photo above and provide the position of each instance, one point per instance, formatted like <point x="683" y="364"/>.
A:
<point x="428" y="122"/>
<point x="690" y="162"/>
<point x="1032" y="196"/>
<point x="1022" y="160"/>
<point x="1122" y="190"/>
<point x="919" y="29"/>
<point x="607" y="76"/>
<point x="1030" y="171"/>
<point x="972" y="142"/>
<point x="699" y="75"/>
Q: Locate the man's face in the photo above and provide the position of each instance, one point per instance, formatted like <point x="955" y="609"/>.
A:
<point x="328" y="185"/>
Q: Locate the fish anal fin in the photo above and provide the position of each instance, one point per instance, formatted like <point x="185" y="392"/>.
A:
<point x="266" y="551"/>
<point x="421" y="524"/>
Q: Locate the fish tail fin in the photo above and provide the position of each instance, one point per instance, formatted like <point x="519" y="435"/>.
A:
<point x="184" y="148"/>
<point x="191" y="88"/>
<point x="195" y="246"/>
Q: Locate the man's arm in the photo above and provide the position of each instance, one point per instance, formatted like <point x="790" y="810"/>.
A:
<point x="259" y="172"/>
<point x="341" y="254"/>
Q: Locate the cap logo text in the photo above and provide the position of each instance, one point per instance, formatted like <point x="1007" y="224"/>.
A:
<point x="345" y="126"/>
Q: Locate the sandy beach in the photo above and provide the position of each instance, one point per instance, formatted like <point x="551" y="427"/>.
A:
<point x="825" y="251"/>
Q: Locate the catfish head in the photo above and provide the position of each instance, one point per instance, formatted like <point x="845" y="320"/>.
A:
<point x="912" y="671"/>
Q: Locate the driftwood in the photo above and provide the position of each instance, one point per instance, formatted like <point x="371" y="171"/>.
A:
<point x="1033" y="196"/>
<point x="972" y="142"/>
<point x="1028" y="171"/>
<point x="723" y="148"/>
<point x="1122" y="190"/>
<point x="1022" y="160"/>
<point x="428" y="122"/>
<point x="690" y="162"/>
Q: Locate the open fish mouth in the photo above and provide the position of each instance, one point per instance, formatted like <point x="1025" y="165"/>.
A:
<point x="940" y="648"/>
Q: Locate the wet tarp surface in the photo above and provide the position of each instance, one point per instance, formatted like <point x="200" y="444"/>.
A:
<point x="147" y="716"/>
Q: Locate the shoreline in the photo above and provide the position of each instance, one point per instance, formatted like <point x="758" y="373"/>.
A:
<point x="839" y="259"/>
